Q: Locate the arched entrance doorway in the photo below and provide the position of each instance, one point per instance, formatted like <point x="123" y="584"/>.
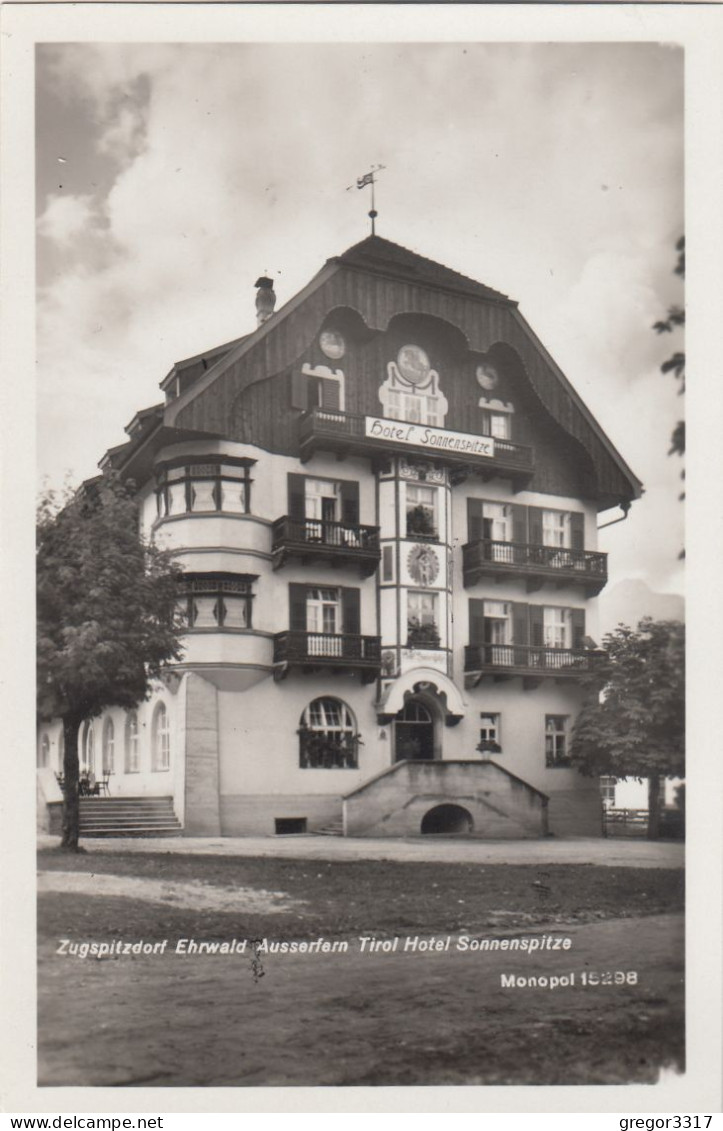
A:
<point x="449" y="820"/>
<point x="414" y="732"/>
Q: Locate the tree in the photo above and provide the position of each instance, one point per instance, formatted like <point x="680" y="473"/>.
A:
<point x="106" y="611"/>
<point x="633" y="720"/>
<point x="675" y="364"/>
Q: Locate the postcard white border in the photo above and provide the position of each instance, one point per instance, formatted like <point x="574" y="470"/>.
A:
<point x="700" y="30"/>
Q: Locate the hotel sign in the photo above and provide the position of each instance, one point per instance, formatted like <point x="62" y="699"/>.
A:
<point x="422" y="436"/>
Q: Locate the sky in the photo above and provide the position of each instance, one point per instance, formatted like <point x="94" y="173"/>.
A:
<point x="169" y="177"/>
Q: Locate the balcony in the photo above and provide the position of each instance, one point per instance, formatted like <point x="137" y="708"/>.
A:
<point x="531" y="661"/>
<point x="536" y="564"/>
<point x="333" y="543"/>
<point x="348" y="434"/>
<point x="320" y="651"/>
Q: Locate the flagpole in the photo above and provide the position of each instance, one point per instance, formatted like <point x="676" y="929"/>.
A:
<point x="373" y="213"/>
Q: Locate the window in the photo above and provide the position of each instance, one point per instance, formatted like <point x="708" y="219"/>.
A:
<point x="221" y="484"/>
<point x="497" y="527"/>
<point x="489" y="735"/>
<point x="556" y="528"/>
<point x="607" y="790"/>
<point x="387" y="562"/>
<point x="421" y="511"/>
<point x="322" y="511"/>
<point x="323" y="619"/>
<point x="108" y="747"/>
<point x="216" y="601"/>
<point x="498" y="632"/>
<point x="44" y="752"/>
<point x="496" y="424"/>
<point x="413" y="394"/>
<point x="496" y="521"/>
<point x="556" y="752"/>
<point x="422" y="623"/>
<point x="327" y="736"/>
<point x="88" y="749"/>
<point x="288" y="826"/>
<point x="161" y="739"/>
<point x="132" y="757"/>
<point x="318" y="387"/>
<point x="556" y="627"/>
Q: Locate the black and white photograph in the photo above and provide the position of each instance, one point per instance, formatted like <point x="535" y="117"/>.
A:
<point x="359" y="494"/>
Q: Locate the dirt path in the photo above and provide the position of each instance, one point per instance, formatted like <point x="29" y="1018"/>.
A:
<point x="192" y="895"/>
<point x="356" y="1018"/>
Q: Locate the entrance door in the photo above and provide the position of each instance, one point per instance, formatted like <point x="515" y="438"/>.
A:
<point x="413" y="733"/>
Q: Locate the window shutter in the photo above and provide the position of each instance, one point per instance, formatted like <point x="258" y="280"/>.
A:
<point x="519" y="522"/>
<point x="297" y="495"/>
<point x="474" y="520"/>
<point x="349" y="502"/>
<point x="537" y="622"/>
<point x="299" y="390"/>
<point x="578" y="627"/>
<point x="577" y="531"/>
<point x="476" y="621"/>
<point x="297" y="608"/>
<point x="520" y="622"/>
<point x="534" y="520"/>
<point x="350" y="615"/>
<point x="328" y="393"/>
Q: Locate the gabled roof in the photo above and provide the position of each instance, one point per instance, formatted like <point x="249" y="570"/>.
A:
<point x="382" y="257"/>
<point x="379" y="278"/>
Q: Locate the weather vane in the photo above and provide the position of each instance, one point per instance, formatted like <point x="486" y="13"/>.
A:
<point x="362" y="182"/>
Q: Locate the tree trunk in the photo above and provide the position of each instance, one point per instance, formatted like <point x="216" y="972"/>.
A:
<point x="654" y="807"/>
<point x="71" y="804"/>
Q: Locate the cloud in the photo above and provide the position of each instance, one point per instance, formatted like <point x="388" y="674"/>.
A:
<point x="65" y="217"/>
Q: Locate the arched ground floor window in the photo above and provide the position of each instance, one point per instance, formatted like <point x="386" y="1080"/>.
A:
<point x="108" y="747"/>
<point x="161" y="739"/>
<point x="44" y="751"/>
<point x="328" y="737"/>
<point x="132" y="754"/>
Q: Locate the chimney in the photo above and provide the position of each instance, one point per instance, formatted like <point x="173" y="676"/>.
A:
<point x="265" y="299"/>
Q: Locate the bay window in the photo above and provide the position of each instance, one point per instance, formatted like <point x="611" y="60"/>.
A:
<point x="214" y="601"/>
<point x="218" y="484"/>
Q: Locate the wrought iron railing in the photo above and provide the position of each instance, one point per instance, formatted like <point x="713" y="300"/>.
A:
<point x="319" y="750"/>
<point x="319" y="533"/>
<point x="326" y="647"/>
<point x="485" y="553"/>
<point x="527" y="657"/>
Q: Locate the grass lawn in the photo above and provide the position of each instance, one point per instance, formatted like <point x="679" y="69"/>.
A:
<point x="405" y="1017"/>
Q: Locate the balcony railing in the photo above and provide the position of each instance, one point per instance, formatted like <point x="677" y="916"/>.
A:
<point x="333" y="430"/>
<point x="578" y="567"/>
<point x="311" y="650"/>
<point x="527" y="659"/>
<point x="342" y="543"/>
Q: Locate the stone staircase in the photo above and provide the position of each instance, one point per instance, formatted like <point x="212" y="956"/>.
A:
<point x="452" y="798"/>
<point x="128" y="816"/>
<point x="334" y="828"/>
